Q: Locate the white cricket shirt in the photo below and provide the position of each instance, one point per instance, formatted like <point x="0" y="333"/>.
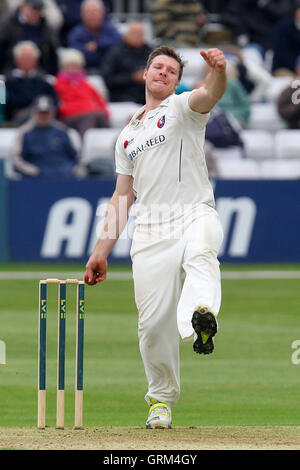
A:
<point x="165" y="156"/>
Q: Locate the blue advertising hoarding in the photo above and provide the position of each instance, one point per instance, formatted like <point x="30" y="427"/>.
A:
<point x="3" y="214"/>
<point x="60" y="220"/>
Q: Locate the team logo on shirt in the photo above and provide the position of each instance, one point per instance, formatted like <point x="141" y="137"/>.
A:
<point x="126" y="143"/>
<point x="161" y="121"/>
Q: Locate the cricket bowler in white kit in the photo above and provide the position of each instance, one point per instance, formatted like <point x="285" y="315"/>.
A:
<point x="160" y="160"/>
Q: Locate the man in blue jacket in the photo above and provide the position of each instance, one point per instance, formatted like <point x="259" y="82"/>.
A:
<point x="286" y="43"/>
<point x="95" y="36"/>
<point x="43" y="146"/>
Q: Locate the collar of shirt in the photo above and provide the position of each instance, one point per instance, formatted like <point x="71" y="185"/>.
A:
<point x="19" y="73"/>
<point x="135" y="118"/>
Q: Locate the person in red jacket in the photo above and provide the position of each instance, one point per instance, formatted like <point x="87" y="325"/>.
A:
<point x="81" y="106"/>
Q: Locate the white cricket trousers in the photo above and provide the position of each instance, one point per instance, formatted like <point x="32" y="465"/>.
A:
<point x="166" y="306"/>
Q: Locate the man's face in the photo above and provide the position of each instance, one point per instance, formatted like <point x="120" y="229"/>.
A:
<point x="31" y="14"/>
<point x="26" y="59"/>
<point x="162" y="76"/>
<point x="93" y="15"/>
<point x="297" y="14"/>
<point x="44" y="118"/>
<point x="135" y="35"/>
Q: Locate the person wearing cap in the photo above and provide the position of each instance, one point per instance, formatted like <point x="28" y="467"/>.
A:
<point x="25" y="83"/>
<point x="43" y="147"/>
<point x="51" y="11"/>
<point x="27" y="22"/>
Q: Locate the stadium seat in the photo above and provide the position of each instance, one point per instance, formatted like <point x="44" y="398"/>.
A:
<point x="287" y="143"/>
<point x="7" y="141"/>
<point x="259" y="144"/>
<point x="122" y="112"/>
<point x="99" y="84"/>
<point x="238" y="169"/>
<point x="252" y="55"/>
<point x="194" y="63"/>
<point x="276" y="86"/>
<point x="99" y="143"/>
<point x="265" y="116"/>
<point x="75" y="139"/>
<point x="229" y="153"/>
<point x="280" y="169"/>
<point x="256" y="72"/>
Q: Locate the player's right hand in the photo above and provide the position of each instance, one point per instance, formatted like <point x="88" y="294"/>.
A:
<point x="96" y="268"/>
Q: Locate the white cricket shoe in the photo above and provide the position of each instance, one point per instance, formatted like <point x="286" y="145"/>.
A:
<point x="159" y="416"/>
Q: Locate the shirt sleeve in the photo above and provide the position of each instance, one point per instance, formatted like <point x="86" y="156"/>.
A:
<point x="182" y="107"/>
<point x="124" y="166"/>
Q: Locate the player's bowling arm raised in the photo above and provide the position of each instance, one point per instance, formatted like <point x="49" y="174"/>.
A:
<point x="214" y="86"/>
<point x="115" y="221"/>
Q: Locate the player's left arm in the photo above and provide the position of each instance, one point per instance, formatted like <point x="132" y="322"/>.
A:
<point x="204" y="98"/>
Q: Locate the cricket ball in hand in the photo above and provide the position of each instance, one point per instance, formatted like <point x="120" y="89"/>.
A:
<point x="92" y="282"/>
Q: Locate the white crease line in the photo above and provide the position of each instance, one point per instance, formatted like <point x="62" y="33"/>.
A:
<point x="36" y="275"/>
<point x="126" y="275"/>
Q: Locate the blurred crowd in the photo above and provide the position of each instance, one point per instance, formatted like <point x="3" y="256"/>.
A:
<point x="65" y="62"/>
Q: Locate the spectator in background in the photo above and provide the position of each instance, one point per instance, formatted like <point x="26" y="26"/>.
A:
<point x="253" y="21"/>
<point x="25" y="83"/>
<point x="249" y="70"/>
<point x="71" y="17"/>
<point x="235" y="100"/>
<point x="43" y="147"/>
<point x="80" y="105"/>
<point x="288" y="101"/>
<point x="95" y="36"/>
<point x="177" y="22"/>
<point x="27" y="23"/>
<point x="71" y="12"/>
<point x="51" y="12"/>
<point x="286" y="45"/>
<point x="124" y="66"/>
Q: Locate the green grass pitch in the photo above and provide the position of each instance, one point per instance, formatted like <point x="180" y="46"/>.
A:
<point x="249" y="380"/>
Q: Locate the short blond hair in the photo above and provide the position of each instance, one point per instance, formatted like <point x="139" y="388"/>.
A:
<point x="71" y="56"/>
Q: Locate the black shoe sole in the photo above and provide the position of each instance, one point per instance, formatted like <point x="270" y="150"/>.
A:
<point x="205" y="322"/>
<point x="158" y="427"/>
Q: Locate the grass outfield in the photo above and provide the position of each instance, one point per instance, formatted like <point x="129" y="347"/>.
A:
<point x="250" y="379"/>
